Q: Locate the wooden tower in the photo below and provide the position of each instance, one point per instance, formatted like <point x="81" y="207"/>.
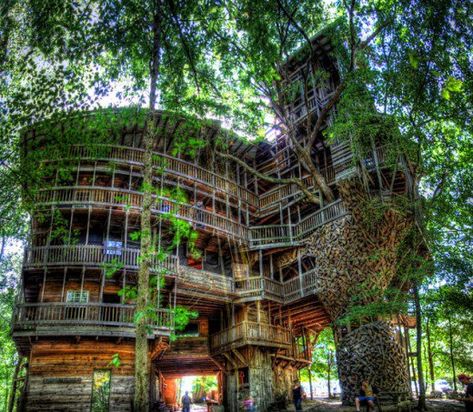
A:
<point x="267" y="273"/>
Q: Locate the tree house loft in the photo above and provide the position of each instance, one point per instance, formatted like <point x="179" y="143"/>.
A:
<point x="250" y="274"/>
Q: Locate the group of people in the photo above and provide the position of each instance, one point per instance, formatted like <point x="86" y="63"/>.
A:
<point x="366" y="395"/>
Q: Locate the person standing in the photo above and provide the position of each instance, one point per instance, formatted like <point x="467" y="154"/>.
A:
<point x="186" y="402"/>
<point x="297" y="394"/>
<point x="468" y="399"/>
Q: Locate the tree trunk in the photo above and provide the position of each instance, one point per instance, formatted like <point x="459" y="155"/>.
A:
<point x="421" y="404"/>
<point x="431" y="358"/>
<point x="329" y="367"/>
<point x="414" y="375"/>
<point x="310" y="383"/>
<point x="452" y="359"/>
<point x="11" y="400"/>
<point x="142" y="361"/>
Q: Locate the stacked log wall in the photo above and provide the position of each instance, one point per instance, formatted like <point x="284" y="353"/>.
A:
<point x="61" y="373"/>
<point x="356" y="263"/>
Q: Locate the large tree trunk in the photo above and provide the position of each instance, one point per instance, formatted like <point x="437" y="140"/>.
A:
<point x="142" y="361"/>
<point x="421" y="405"/>
<point x="371" y="352"/>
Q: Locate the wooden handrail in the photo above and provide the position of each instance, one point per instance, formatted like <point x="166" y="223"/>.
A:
<point x="96" y="195"/>
<point x="97" y="255"/>
<point x="92" y="313"/>
<point x="257" y="236"/>
<point x="170" y="164"/>
<point x="93" y="255"/>
<point x="247" y="332"/>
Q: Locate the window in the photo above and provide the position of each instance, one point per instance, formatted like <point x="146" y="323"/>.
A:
<point x="77" y="296"/>
<point x="101" y="390"/>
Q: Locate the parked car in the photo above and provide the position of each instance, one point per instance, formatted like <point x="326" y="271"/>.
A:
<point x="442" y="385"/>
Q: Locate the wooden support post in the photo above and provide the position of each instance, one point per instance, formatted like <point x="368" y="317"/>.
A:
<point x="261" y="263"/>
<point x="299" y="268"/>
<point x="82" y="280"/>
<point x="63" y="284"/>
<point x="44" y="284"/>
<point x="89" y="213"/>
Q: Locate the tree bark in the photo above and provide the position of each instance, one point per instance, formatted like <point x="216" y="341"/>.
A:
<point x="452" y="359"/>
<point x="142" y="361"/>
<point x="409" y="351"/>
<point x="421" y="404"/>
<point x="430" y="357"/>
<point x="329" y="367"/>
<point x="11" y="400"/>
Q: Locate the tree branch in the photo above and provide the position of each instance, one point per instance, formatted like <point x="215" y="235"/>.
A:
<point x="276" y="180"/>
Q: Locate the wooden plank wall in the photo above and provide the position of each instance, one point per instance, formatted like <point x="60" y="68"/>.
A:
<point x="53" y="289"/>
<point x="60" y="375"/>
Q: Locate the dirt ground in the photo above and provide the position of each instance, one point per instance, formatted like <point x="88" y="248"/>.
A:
<point x="324" y="405"/>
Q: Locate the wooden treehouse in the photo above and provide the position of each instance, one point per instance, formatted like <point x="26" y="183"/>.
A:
<point x="258" y="274"/>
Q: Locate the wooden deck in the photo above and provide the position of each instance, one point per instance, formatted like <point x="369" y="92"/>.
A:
<point x="85" y="318"/>
<point x="250" y="333"/>
<point x="192" y="172"/>
<point x="256" y="237"/>
<point x="241" y="289"/>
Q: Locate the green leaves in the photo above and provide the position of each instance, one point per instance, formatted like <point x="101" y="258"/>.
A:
<point x="413" y="60"/>
<point x="116" y="361"/>
<point x="451" y="86"/>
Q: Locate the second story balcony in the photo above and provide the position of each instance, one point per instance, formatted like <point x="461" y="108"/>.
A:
<point x="79" y="319"/>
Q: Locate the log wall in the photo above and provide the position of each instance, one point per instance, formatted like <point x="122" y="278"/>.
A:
<point x="358" y="257"/>
<point x="61" y="373"/>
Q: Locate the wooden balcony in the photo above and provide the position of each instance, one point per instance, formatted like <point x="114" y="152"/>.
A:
<point x="76" y="319"/>
<point x="94" y="256"/>
<point x="262" y="237"/>
<point x="84" y="196"/>
<point x="257" y="287"/>
<point x="250" y="333"/>
<point x="192" y="172"/>
<point x="258" y="237"/>
<point x="168" y="164"/>
<point x="244" y="289"/>
<point x="121" y="258"/>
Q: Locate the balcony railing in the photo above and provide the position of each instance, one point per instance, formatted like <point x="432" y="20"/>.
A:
<point x="169" y="164"/>
<point x="90" y="195"/>
<point x="31" y="315"/>
<point x="92" y="255"/>
<point x="284" y="235"/>
<point x="258" y="236"/>
<point x="256" y="286"/>
<point x="251" y="333"/>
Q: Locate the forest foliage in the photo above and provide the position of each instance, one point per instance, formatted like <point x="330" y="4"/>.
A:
<point x="406" y="71"/>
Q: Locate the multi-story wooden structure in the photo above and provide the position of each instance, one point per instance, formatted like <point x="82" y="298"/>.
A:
<point x="261" y="291"/>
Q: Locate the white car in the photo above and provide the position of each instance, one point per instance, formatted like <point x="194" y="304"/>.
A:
<point x="442" y="385"/>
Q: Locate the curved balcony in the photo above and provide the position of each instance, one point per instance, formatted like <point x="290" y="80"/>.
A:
<point x="123" y="258"/>
<point x="114" y="197"/>
<point x="183" y="169"/>
<point x="104" y="319"/>
<point x="168" y="164"/>
<point x="257" y="236"/>
<point x="243" y="289"/>
<point x="92" y="255"/>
